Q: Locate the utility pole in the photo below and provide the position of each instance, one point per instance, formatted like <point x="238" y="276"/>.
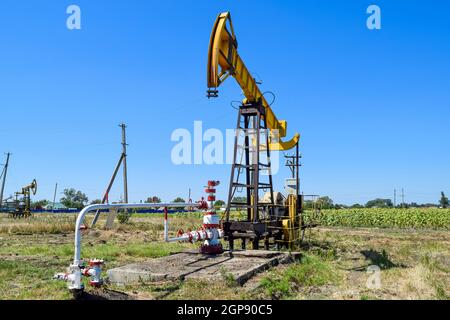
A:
<point x="124" y="152"/>
<point x="5" y="171"/>
<point x="122" y="160"/>
<point x="54" y="197"/>
<point x="395" y="198"/>
<point x="403" y="198"/>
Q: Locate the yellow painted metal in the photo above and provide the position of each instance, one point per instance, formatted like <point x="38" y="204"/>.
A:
<point x="26" y="192"/>
<point x="290" y="235"/>
<point x="292" y="205"/>
<point x="291" y="224"/>
<point x="280" y="145"/>
<point x="252" y="212"/>
<point x="224" y="60"/>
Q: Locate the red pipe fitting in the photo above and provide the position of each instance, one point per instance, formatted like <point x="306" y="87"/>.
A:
<point x="213" y="183"/>
<point x="94" y="263"/>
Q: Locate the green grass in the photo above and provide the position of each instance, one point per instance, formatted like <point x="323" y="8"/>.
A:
<point x="206" y="290"/>
<point x="435" y="270"/>
<point x="25" y="280"/>
<point x="31" y="253"/>
<point x="310" y="271"/>
<point x="109" y="251"/>
<point x="228" y="278"/>
<point x="366" y="297"/>
<point x="28" y="274"/>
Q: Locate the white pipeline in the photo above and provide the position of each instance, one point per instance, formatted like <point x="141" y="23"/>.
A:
<point x="74" y="275"/>
<point x="211" y="231"/>
<point x="96" y="207"/>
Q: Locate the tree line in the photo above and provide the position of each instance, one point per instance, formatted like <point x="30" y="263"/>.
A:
<point x="327" y="203"/>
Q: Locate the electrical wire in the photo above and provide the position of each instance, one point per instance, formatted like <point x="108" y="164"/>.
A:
<point x="257" y="78"/>
<point x="273" y="95"/>
<point x="232" y="103"/>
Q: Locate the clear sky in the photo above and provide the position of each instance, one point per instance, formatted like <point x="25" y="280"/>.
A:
<point x="372" y="106"/>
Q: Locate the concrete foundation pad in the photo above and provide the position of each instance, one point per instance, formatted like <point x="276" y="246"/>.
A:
<point x="239" y="265"/>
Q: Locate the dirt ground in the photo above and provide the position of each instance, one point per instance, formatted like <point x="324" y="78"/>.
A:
<point x="338" y="263"/>
<point x="412" y="264"/>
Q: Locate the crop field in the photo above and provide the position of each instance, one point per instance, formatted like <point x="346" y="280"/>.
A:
<point x="411" y="249"/>
<point x="430" y="218"/>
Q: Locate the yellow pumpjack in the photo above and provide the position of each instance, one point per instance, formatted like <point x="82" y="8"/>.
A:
<point x="264" y="221"/>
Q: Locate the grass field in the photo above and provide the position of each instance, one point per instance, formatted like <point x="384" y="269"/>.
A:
<point x="414" y="263"/>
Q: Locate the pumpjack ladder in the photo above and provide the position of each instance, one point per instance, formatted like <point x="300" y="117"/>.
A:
<point x="260" y="223"/>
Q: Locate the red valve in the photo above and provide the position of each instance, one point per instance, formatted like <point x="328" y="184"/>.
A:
<point x="213" y="183"/>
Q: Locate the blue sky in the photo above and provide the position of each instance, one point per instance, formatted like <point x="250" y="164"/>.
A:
<point x="372" y="106"/>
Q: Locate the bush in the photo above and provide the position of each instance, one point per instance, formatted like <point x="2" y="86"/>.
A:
<point x="124" y="216"/>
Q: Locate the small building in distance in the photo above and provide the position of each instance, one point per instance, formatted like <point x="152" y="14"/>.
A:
<point x="58" y="206"/>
